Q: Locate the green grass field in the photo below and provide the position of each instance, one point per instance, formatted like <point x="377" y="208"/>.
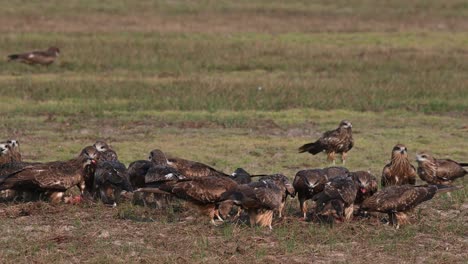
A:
<point x="234" y="84"/>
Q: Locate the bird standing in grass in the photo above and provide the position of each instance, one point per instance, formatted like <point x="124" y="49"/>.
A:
<point x="331" y="142"/>
<point x="439" y="171"/>
<point x="399" y="171"/>
<point x="46" y="57"/>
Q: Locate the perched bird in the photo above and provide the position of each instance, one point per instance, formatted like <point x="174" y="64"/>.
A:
<point x="53" y="178"/>
<point x="203" y="192"/>
<point x="366" y="183"/>
<point x="336" y="201"/>
<point x="439" y="171"/>
<point x="308" y="183"/>
<point x="105" y="152"/>
<point x="335" y="141"/>
<point x="110" y="179"/>
<point x="399" y="171"/>
<point x="259" y="199"/>
<point x="36" y="57"/>
<point x="190" y="168"/>
<point x="397" y="200"/>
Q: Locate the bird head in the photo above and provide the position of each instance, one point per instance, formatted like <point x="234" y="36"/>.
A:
<point x="101" y="146"/>
<point x="4" y="148"/>
<point x="91" y="152"/>
<point x="13" y="143"/>
<point x="345" y="124"/>
<point x="54" y="50"/>
<point x="400" y="150"/>
<point x="424" y="157"/>
<point x="158" y="157"/>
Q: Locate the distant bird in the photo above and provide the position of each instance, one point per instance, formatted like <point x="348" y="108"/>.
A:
<point x="336" y="201"/>
<point x="439" y="171"/>
<point x="399" y="171"/>
<point x="53" y="178"/>
<point x="105" y="152"/>
<point x="397" y="200"/>
<point x="335" y="141"/>
<point x="110" y="179"/>
<point x="366" y="183"/>
<point x="260" y="199"/>
<point x="191" y="169"/>
<point x="155" y="165"/>
<point x="46" y="57"/>
<point x="308" y="183"/>
<point x="203" y="192"/>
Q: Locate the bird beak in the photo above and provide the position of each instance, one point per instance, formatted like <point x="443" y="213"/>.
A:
<point x="402" y="151"/>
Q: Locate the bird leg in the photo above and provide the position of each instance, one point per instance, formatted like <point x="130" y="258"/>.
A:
<point x="349" y="212"/>
<point x="343" y="158"/>
<point x="331" y="157"/>
<point x="303" y="206"/>
<point x="280" y="210"/>
<point x="393" y="220"/>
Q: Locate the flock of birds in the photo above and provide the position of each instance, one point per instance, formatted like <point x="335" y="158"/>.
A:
<point x="337" y="193"/>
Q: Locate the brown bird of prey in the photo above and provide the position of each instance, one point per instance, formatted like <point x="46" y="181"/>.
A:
<point x="336" y="201"/>
<point x="282" y="182"/>
<point x="14" y="149"/>
<point x="155" y="165"/>
<point x="335" y="141"/>
<point x="397" y="200"/>
<point x="203" y="192"/>
<point x="105" y="152"/>
<point x="259" y="199"/>
<point x="439" y="171"/>
<point x="36" y="57"/>
<point x="366" y="183"/>
<point x="308" y="183"/>
<point x="399" y="171"/>
<point x="110" y="179"/>
<point x="53" y="178"/>
<point x="191" y="169"/>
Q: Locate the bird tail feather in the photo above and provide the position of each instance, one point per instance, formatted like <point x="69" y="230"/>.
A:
<point x="464" y="164"/>
<point x="446" y="188"/>
<point x="13" y="57"/>
<point x="312" y="148"/>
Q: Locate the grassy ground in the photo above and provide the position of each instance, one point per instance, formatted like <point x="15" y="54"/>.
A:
<point x="234" y="84"/>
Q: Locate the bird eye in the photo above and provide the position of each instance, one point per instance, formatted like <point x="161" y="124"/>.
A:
<point x="396" y="149"/>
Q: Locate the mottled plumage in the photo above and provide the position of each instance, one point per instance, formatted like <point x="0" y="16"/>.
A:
<point x="399" y="171"/>
<point x="36" y="57"/>
<point x="439" y="171"/>
<point x="335" y="141"/>
<point x="53" y="177"/>
<point x="105" y="152"/>
<point x="259" y="199"/>
<point x="110" y="179"/>
<point x="308" y="183"/>
<point x="398" y="199"/>
<point x="340" y="192"/>
<point x="366" y="183"/>
<point x="193" y="168"/>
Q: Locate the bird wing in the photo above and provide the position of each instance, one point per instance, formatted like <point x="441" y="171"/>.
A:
<point x="193" y="169"/>
<point x="399" y="198"/>
<point x="449" y="170"/>
<point x="203" y="190"/>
